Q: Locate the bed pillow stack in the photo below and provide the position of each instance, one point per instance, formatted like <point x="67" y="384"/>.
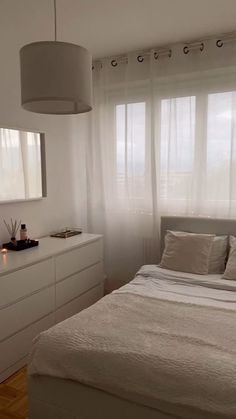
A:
<point x="194" y="253"/>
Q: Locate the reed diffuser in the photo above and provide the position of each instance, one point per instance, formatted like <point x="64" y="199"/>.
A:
<point x="12" y="229"/>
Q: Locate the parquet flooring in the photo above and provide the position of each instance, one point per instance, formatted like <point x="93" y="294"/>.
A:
<point x="13" y="396"/>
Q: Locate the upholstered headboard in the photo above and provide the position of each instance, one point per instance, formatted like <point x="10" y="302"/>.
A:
<point x="197" y="225"/>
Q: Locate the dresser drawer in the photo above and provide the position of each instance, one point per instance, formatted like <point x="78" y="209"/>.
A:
<point x="19" y="345"/>
<point x="19" y="315"/>
<point x="75" y="260"/>
<point x="23" y="282"/>
<point x="77" y="284"/>
<point x="79" y="303"/>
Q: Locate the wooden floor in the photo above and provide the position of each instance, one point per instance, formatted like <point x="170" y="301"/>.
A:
<point x="13" y="396"/>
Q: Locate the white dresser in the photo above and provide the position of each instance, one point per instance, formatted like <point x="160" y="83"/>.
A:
<point x="42" y="286"/>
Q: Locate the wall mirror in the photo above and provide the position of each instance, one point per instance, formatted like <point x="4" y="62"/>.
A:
<point x="22" y="165"/>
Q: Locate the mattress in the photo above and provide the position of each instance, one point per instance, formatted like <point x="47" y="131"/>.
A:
<point x="165" y="341"/>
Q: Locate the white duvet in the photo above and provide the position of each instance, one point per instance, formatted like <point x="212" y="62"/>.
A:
<point x="165" y="340"/>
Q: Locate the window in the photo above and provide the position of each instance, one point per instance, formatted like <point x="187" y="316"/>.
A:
<point x="22" y="165"/>
<point x="195" y="152"/>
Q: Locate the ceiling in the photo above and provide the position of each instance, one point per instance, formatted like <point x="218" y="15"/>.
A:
<point x="111" y="27"/>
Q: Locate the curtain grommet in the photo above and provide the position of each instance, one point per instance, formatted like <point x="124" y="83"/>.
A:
<point x="186" y="50"/>
<point x="219" y="43"/>
<point x="140" y="58"/>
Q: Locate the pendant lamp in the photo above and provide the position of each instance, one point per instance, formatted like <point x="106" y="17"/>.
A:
<point x="56" y="77"/>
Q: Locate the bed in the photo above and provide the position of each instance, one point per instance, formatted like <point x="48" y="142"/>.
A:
<point x="163" y="346"/>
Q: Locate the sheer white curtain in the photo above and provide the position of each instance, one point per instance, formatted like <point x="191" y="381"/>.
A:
<point x="162" y="141"/>
<point x="198" y="138"/>
<point x="20" y="165"/>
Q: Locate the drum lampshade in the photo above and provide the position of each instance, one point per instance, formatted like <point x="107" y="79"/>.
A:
<point x="56" y="78"/>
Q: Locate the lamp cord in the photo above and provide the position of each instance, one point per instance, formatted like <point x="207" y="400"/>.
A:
<point x="55" y="19"/>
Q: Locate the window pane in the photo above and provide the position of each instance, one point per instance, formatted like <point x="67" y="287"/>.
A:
<point x="130" y="134"/>
<point x="177" y="148"/>
<point x="221" y="141"/>
<point x="136" y="138"/>
<point x="130" y="148"/>
<point x="120" y="139"/>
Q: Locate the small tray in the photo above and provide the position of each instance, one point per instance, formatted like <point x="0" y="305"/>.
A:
<point x="20" y="245"/>
<point x="66" y="233"/>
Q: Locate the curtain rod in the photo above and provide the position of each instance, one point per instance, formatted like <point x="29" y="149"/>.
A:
<point x="157" y="53"/>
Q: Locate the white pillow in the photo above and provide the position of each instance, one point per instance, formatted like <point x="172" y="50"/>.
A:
<point x="230" y="271"/>
<point x="218" y="255"/>
<point x="187" y="252"/>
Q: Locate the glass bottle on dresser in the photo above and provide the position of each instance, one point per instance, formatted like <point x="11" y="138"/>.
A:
<point x="23" y="232"/>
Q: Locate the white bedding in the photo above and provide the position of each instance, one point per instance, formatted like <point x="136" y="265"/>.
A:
<point x="166" y="340"/>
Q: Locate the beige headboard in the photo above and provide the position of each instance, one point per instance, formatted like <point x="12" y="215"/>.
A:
<point x="197" y="225"/>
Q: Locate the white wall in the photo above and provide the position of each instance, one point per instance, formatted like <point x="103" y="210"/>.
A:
<point x="21" y="22"/>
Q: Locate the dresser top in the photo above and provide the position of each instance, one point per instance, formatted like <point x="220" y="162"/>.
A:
<point x="48" y="247"/>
